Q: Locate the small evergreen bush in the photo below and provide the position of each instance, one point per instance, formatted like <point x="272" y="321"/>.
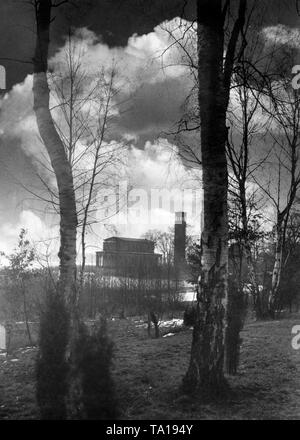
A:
<point x="51" y="366"/>
<point x="93" y="357"/>
<point x="189" y="317"/>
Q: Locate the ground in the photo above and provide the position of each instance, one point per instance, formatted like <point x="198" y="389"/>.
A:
<point x="148" y="372"/>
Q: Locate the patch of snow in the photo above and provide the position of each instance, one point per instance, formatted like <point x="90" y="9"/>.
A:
<point x="26" y="349"/>
<point x="171" y="323"/>
<point x="162" y="324"/>
<point x="188" y="296"/>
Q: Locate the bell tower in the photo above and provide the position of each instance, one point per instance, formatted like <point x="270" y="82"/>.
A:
<point x="179" y="242"/>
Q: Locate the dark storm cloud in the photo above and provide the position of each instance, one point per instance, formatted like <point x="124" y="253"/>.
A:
<point x="155" y="107"/>
<point x="114" y="20"/>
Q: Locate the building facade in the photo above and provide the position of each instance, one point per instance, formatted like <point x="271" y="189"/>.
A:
<point x="132" y="257"/>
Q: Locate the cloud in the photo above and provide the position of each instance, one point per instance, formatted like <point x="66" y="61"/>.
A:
<point x="154" y="108"/>
<point x="42" y="234"/>
<point x="158" y="186"/>
<point x="152" y="87"/>
<point x="152" y="90"/>
<point x="18" y="122"/>
<point x="158" y="166"/>
<point x="282" y="34"/>
<point x="153" y="84"/>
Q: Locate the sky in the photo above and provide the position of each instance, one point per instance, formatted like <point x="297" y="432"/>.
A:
<point x="133" y="35"/>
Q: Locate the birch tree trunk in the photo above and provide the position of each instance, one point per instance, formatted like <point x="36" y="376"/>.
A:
<point x="207" y="355"/>
<point x="67" y="203"/>
<point x="285" y="111"/>
<point x="59" y="160"/>
<point x="258" y="303"/>
<point x="205" y="372"/>
<point x="276" y="273"/>
<point x="281" y="229"/>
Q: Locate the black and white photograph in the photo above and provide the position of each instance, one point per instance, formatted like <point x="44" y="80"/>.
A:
<point x="150" y="212"/>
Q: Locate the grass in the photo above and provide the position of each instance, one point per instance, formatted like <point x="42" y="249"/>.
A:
<point x="148" y="373"/>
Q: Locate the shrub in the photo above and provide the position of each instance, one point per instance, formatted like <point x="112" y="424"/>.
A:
<point x="52" y="367"/>
<point x="189" y="317"/>
<point x="93" y="357"/>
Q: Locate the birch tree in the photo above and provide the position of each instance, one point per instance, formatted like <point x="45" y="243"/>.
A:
<point x="84" y="112"/>
<point x="74" y="132"/>
<point x="205" y="371"/>
<point x="283" y="207"/>
<point x="248" y="127"/>
<point x="58" y="158"/>
<point x="66" y="287"/>
<point x="283" y="103"/>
